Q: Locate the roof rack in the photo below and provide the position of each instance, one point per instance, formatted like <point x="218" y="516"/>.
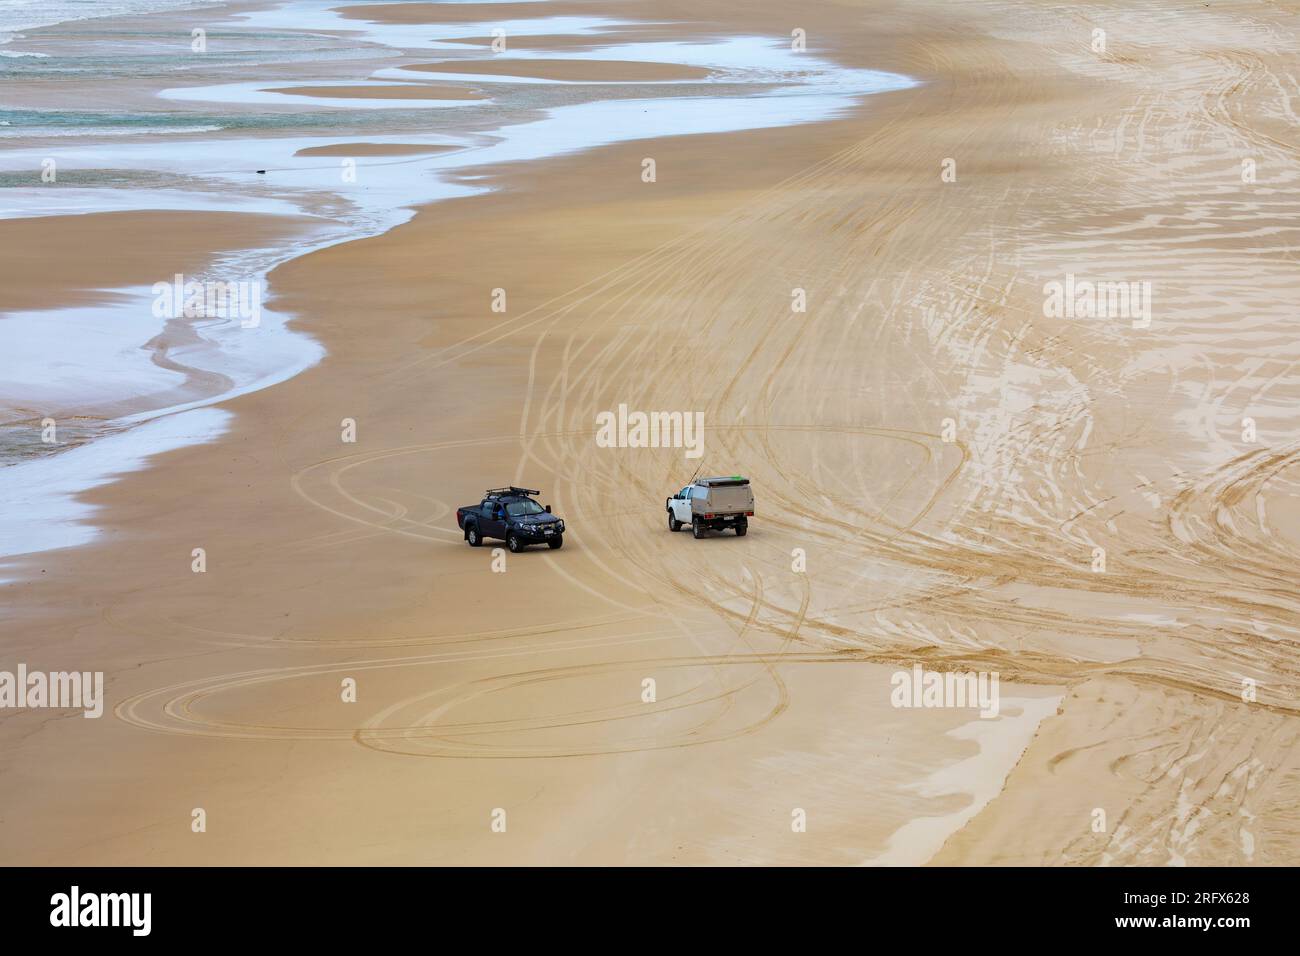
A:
<point x="512" y="490"/>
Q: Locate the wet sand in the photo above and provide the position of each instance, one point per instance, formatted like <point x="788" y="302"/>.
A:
<point x="422" y="92"/>
<point x="945" y="456"/>
<point x="55" y="261"/>
<point x="373" y="149"/>
<point x="606" y="71"/>
<point x="467" y="12"/>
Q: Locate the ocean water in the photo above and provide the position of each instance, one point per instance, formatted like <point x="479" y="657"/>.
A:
<point x="18" y="124"/>
<point x="19" y="15"/>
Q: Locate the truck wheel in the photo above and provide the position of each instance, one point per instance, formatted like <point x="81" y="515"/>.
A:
<point x="556" y="543"/>
<point x="696" y="529"/>
<point x="741" y="528"/>
<point x="513" y="543"/>
<point x="673" y="523"/>
<point x="471" y="535"/>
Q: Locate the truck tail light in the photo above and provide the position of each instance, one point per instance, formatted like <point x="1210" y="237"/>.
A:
<point x="708" y="517"/>
<point x="749" y="514"/>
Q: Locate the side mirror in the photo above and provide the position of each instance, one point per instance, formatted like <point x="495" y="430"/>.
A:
<point x="548" y="509"/>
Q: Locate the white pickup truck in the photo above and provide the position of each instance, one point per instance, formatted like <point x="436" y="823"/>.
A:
<point x="712" y="504"/>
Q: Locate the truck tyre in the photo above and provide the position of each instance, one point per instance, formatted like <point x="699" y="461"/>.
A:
<point x="673" y="523"/>
<point x="741" y="528"/>
<point x="513" y="543"/>
<point x="556" y="543"/>
<point x="471" y="535"/>
<point x="696" y="529"/>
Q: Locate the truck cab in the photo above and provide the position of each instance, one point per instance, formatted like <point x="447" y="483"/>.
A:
<point x="511" y="515"/>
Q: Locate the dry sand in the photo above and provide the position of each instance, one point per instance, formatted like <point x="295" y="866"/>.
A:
<point x="479" y="690"/>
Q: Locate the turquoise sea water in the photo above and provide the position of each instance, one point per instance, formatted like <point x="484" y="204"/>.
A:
<point x="19" y="15"/>
<point x="27" y="124"/>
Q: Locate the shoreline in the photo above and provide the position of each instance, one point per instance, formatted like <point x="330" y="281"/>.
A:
<point x="331" y="559"/>
<point x="375" y="219"/>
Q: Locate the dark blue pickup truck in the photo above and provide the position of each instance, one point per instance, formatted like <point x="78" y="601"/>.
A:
<point x="511" y="515"/>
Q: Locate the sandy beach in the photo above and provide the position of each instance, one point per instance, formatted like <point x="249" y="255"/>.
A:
<point x="845" y="263"/>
